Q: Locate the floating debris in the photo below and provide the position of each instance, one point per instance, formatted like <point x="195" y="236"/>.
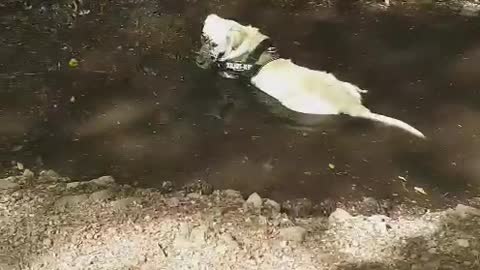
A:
<point x="331" y="166"/>
<point x="20" y="166"/>
<point x="73" y="63"/>
<point x="420" y="190"/>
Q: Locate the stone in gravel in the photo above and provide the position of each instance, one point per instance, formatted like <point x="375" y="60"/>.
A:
<point x="124" y="203"/>
<point x="230" y="193"/>
<point x="167" y="187"/>
<point x="6" y="183"/>
<point x="339" y="215"/>
<point x="20" y="166"/>
<point x="199" y="186"/>
<point x="298" y="207"/>
<point x="463" y="243"/>
<point x="254" y="201"/>
<point x="173" y="202"/>
<point x="369" y="206"/>
<point x="194" y="196"/>
<point x="48" y="176"/>
<point x="47" y="242"/>
<point x="103" y="181"/>
<point x="464" y="211"/>
<point x="102" y="195"/>
<point x="198" y="235"/>
<point x="272" y="207"/>
<point x="73" y="185"/>
<point x="70" y="201"/>
<point x="326" y="207"/>
<point x="28" y="175"/>
<point x="184" y="230"/>
<point x="379" y="223"/>
<point x="229" y="240"/>
<point x="295" y="234"/>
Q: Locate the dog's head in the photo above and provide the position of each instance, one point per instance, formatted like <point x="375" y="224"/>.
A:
<point x="224" y="39"/>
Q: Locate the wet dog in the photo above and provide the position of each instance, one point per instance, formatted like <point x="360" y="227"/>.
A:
<point x="240" y="51"/>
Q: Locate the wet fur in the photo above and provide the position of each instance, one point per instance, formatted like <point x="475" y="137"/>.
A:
<point x="298" y="88"/>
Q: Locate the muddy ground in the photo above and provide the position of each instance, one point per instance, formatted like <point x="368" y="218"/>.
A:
<point x="178" y="141"/>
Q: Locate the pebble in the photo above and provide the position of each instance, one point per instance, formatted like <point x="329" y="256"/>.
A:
<point x="184" y="230"/>
<point x="463" y="243"/>
<point x="464" y="211"/>
<point x="102" y="195"/>
<point x="70" y="201"/>
<point x="103" y="181"/>
<point x="198" y="234"/>
<point x="28" y="175"/>
<point x="167" y="187"/>
<point x="229" y="240"/>
<point x="73" y="185"/>
<point x="369" y="206"/>
<point x="47" y="242"/>
<point x="194" y="196"/>
<point x="232" y="193"/>
<point x="254" y="201"/>
<point x="48" y="176"/>
<point x="339" y="215"/>
<point x="199" y="186"/>
<point x="298" y="207"/>
<point x="7" y="184"/>
<point x="20" y="166"/>
<point x="272" y="206"/>
<point x="173" y="202"/>
<point x="295" y="234"/>
<point x="124" y="203"/>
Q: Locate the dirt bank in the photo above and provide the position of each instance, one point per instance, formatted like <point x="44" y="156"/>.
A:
<point x="51" y="222"/>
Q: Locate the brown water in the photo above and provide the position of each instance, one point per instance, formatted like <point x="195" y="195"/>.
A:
<point x="139" y="109"/>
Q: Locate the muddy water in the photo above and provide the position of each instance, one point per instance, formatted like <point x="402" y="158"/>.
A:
<point x="136" y="107"/>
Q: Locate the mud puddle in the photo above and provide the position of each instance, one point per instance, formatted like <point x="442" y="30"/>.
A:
<point x="137" y="108"/>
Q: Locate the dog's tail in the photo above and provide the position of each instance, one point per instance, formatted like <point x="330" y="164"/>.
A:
<point x="367" y="114"/>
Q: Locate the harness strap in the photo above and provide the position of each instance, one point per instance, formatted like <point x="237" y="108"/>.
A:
<point x="250" y="67"/>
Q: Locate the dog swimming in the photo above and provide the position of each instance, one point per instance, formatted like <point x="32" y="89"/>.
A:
<point x="240" y="51"/>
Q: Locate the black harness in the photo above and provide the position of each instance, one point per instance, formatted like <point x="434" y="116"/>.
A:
<point x="250" y="67"/>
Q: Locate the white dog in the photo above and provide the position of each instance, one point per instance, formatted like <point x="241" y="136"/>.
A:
<point x="242" y="51"/>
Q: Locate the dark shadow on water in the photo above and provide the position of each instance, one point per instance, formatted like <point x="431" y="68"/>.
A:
<point x="138" y="108"/>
